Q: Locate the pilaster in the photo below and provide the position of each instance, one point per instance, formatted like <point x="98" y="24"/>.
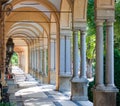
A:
<point x="65" y="60"/>
<point x="53" y="59"/>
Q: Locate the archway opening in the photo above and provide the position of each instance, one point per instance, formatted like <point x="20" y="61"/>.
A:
<point x="14" y="59"/>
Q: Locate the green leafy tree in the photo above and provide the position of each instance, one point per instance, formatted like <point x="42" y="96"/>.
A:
<point x="91" y="38"/>
<point x="14" y="59"/>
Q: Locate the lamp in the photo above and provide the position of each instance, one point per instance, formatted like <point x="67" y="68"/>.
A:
<point x="9" y="46"/>
<point x="9" y="52"/>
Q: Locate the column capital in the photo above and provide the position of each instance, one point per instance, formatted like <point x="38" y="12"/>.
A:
<point x="53" y="40"/>
<point x="65" y="32"/>
<point x="100" y="22"/>
<point x="77" y="25"/>
<point x="110" y="22"/>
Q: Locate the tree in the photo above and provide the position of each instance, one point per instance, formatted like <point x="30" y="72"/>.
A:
<point x="14" y="59"/>
<point x="91" y="38"/>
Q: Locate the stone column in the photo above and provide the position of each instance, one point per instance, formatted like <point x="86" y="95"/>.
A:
<point x="30" y="66"/>
<point x="32" y="60"/>
<point x="45" y="62"/>
<point x="38" y="62"/>
<point x="99" y="55"/>
<point x="41" y="60"/>
<point x="49" y="60"/>
<point x="109" y="54"/>
<point x="102" y="94"/>
<point x="65" y="60"/>
<point x="45" y="78"/>
<point x="53" y="50"/>
<point x="79" y="83"/>
<point x="83" y="54"/>
<point x="75" y="90"/>
<point x="75" y="55"/>
<point x="53" y="60"/>
<point x="83" y="83"/>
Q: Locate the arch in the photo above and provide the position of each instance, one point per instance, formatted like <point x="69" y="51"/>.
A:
<point x="80" y="10"/>
<point x="33" y="17"/>
<point x="66" y="15"/>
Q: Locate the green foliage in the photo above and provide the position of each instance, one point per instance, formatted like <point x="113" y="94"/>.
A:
<point x="14" y="59"/>
<point x="90" y="46"/>
<point x="90" y="39"/>
<point x="90" y="92"/>
<point x="117" y="73"/>
<point x="117" y="25"/>
<point x="90" y="18"/>
<point x="7" y="104"/>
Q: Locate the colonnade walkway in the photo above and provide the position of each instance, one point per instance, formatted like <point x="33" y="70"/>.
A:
<point x="29" y="92"/>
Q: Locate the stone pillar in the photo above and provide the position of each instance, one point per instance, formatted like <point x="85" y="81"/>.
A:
<point x="75" y="79"/>
<point x="102" y="94"/>
<point x="80" y="83"/>
<point x="75" y="55"/>
<point x="99" y="55"/>
<point x="45" y="62"/>
<point x="109" y="54"/>
<point x="32" y="60"/>
<point x="53" y="61"/>
<point x="41" y="60"/>
<point x="38" y="62"/>
<point x="45" y="65"/>
<point x="49" y="60"/>
<point x="83" y="83"/>
<point x="65" y="60"/>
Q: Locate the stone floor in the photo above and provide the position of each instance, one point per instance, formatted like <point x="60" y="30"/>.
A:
<point x="29" y="92"/>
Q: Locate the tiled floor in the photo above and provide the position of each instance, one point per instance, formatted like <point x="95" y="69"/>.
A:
<point x="30" y="93"/>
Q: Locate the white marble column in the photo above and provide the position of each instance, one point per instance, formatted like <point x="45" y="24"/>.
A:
<point x="109" y="54"/>
<point x="99" y="55"/>
<point x="75" y="54"/>
<point x="83" y="54"/>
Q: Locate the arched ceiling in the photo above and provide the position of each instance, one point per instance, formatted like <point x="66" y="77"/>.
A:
<point x="31" y="18"/>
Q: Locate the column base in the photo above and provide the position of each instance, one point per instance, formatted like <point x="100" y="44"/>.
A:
<point x="45" y="80"/>
<point x="100" y="87"/>
<point x="79" y="89"/>
<point x="52" y="77"/>
<point x="40" y="77"/>
<point x="104" y="97"/>
<point x="65" y="84"/>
